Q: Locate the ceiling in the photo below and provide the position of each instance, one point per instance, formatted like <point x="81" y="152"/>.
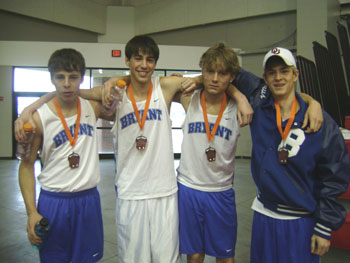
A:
<point x="144" y="2"/>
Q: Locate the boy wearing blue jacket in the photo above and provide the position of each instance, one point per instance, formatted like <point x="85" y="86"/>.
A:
<point x="298" y="175"/>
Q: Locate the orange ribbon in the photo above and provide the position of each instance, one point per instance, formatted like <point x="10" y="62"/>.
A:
<point x="144" y="115"/>
<point x="66" y="129"/>
<point x="284" y="133"/>
<point x="211" y="134"/>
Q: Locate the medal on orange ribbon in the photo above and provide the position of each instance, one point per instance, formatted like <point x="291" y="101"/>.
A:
<point x="74" y="158"/>
<point x="210" y="151"/>
<point x="211" y="154"/>
<point x="283" y="152"/>
<point x="141" y="141"/>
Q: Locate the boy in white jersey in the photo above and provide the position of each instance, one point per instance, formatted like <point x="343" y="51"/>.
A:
<point x="66" y="135"/>
<point x="207" y="210"/>
<point x="146" y="206"/>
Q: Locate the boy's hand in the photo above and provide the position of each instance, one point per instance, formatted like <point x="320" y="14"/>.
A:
<point x="112" y="88"/>
<point x="313" y="117"/>
<point x="244" y="112"/>
<point x="32" y="221"/>
<point x="189" y="85"/>
<point x="26" y="116"/>
<point x="319" y="245"/>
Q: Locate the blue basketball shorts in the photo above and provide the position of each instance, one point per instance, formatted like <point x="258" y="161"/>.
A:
<point x="280" y="240"/>
<point x="76" y="228"/>
<point x="208" y="222"/>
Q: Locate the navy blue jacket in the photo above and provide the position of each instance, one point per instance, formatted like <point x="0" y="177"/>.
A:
<point x="318" y="167"/>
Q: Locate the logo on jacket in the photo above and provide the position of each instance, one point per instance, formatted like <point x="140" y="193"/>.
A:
<point x="263" y="92"/>
<point x="294" y="140"/>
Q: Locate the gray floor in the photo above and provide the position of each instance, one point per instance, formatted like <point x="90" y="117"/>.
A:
<point x="14" y="246"/>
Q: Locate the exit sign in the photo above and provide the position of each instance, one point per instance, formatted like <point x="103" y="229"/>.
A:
<point x="116" y="53"/>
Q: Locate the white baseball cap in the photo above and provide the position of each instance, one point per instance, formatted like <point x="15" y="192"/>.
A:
<point x="283" y="53"/>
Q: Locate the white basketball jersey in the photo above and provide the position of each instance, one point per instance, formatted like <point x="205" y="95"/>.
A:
<point x="195" y="170"/>
<point x="56" y="174"/>
<point x="147" y="173"/>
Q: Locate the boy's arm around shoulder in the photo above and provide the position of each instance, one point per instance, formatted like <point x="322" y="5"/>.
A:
<point x="248" y="83"/>
<point x="26" y="178"/>
<point x="97" y="107"/>
<point x="176" y="89"/>
<point x="313" y="118"/>
<point x="27" y="113"/>
<point x="103" y="93"/>
<point x="244" y="110"/>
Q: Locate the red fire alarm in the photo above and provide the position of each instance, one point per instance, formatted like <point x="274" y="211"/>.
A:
<point x="116" y="53"/>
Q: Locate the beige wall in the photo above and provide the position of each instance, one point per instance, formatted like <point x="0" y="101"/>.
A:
<point x="120" y="26"/>
<point x="82" y="14"/>
<point x="187" y="13"/>
<point x="34" y="53"/>
<point x="313" y="22"/>
<point x="6" y="129"/>
<point x="23" y="28"/>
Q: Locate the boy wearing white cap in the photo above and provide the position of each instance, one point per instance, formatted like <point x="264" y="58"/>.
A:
<point x="298" y="175"/>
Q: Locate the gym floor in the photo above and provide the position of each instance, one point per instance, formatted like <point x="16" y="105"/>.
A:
<point x="15" y="248"/>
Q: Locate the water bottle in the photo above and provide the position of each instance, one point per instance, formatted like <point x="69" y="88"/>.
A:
<point x="23" y="148"/>
<point x="42" y="230"/>
<point x="109" y="110"/>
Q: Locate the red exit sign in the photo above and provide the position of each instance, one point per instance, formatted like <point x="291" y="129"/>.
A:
<point x="116" y="53"/>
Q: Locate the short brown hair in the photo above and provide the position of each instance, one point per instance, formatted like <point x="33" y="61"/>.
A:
<point x="66" y="59"/>
<point x="220" y="53"/>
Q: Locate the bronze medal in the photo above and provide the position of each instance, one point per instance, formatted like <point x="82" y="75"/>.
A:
<point x="283" y="152"/>
<point x="211" y="154"/>
<point x="283" y="156"/>
<point x="73" y="160"/>
<point x="141" y="142"/>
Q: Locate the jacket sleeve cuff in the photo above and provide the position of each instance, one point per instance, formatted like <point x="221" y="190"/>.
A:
<point x="322" y="231"/>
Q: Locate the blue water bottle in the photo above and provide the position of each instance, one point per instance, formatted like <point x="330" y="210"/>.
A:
<point x="42" y="230"/>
